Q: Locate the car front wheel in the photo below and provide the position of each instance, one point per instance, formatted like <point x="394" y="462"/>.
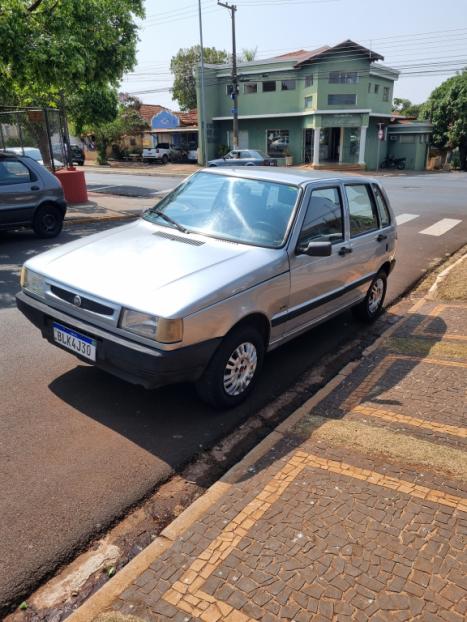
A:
<point x="48" y="221"/>
<point x="234" y="369"/>
<point x="371" y="306"/>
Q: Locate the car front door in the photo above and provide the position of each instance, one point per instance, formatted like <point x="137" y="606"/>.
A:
<point x="20" y="190"/>
<point x="319" y="285"/>
<point x="367" y="247"/>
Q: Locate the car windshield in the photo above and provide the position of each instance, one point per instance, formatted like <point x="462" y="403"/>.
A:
<point x="248" y="211"/>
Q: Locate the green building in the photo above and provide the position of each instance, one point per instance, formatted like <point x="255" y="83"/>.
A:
<point x="330" y="107"/>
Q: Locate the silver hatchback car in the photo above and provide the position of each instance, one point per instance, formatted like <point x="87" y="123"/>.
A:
<point x="229" y="265"/>
<point x="30" y="196"/>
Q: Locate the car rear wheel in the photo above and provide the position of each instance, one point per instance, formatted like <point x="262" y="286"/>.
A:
<point x="234" y="369"/>
<point x="369" y="309"/>
<point x="165" y="159"/>
<point x="48" y="221"/>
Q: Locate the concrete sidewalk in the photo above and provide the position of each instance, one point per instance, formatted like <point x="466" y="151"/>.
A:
<point x="355" y="508"/>
<point x="102" y="207"/>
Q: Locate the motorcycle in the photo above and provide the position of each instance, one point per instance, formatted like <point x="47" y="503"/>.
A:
<point x="392" y="162"/>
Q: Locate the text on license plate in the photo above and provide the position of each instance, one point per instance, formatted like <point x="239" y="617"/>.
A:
<point x="70" y="339"/>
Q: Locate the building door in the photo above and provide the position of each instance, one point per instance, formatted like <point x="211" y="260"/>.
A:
<point x="308" y="145"/>
<point x="329" y="144"/>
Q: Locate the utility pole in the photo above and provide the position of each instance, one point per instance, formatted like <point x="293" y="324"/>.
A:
<point x="232" y="8"/>
<point x="202" y="115"/>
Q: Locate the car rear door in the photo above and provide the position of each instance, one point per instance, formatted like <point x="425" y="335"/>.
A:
<point x="20" y="192"/>
<point x="366" y="250"/>
<point x="320" y="285"/>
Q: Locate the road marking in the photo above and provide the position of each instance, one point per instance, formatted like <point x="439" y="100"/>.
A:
<point x="393" y="417"/>
<point x="101" y="188"/>
<point x="440" y="227"/>
<point x="403" y="218"/>
<point x="187" y="593"/>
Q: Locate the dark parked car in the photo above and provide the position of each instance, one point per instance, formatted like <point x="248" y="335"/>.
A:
<point x="30" y="196"/>
<point x="244" y="157"/>
<point x="77" y="153"/>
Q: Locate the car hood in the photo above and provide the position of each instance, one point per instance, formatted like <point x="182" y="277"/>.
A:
<point x="139" y="266"/>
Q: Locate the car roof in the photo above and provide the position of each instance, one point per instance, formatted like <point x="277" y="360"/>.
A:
<point x="296" y="177"/>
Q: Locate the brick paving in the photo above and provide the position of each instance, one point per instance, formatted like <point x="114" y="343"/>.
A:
<point x="358" y="512"/>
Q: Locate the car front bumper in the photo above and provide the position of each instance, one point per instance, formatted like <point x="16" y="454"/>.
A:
<point x="131" y="361"/>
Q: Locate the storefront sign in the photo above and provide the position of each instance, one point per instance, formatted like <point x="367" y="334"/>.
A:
<point x="341" y="120"/>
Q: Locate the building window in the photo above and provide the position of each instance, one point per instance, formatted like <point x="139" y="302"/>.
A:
<point x="343" y="99"/>
<point x="309" y="101"/>
<point x="424" y="138"/>
<point x="308" y="81"/>
<point x="408" y="139"/>
<point x="250" y="87"/>
<point x="228" y="89"/>
<point x="369" y="87"/>
<point x="288" y="85"/>
<point x="343" y="77"/>
<point x="385" y="93"/>
<point x="269" y="86"/>
<point x="376" y="89"/>
<point x="277" y="142"/>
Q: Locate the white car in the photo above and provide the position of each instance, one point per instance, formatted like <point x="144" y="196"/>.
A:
<point x="34" y="153"/>
<point x="160" y="152"/>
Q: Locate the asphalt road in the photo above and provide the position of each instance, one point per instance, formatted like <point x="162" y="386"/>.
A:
<point x="130" y="185"/>
<point x="77" y="446"/>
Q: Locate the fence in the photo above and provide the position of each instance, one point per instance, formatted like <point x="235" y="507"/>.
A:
<point x="37" y="132"/>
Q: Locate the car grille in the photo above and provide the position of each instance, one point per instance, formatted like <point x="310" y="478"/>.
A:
<point x="86" y="303"/>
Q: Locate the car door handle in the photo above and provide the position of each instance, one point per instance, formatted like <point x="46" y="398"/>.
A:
<point x="345" y="250"/>
<point x="34" y="187"/>
<point x="381" y="237"/>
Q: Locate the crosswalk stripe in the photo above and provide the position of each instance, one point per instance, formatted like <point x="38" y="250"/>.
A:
<point x="440" y="227"/>
<point x="403" y="218"/>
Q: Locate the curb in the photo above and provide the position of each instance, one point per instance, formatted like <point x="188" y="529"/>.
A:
<point x="431" y="295"/>
<point x="139" y="172"/>
<point x="103" y="598"/>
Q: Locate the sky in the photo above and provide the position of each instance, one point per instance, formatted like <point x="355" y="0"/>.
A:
<point x="425" y="39"/>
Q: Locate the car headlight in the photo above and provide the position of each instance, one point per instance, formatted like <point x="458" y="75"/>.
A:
<point x="151" y="326"/>
<point x="32" y="282"/>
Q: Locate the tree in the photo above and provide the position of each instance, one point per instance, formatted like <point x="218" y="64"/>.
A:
<point x="78" y="48"/>
<point x="128" y="121"/>
<point x="248" y="55"/>
<point x="183" y="66"/>
<point x="447" y="109"/>
<point x="405" y="107"/>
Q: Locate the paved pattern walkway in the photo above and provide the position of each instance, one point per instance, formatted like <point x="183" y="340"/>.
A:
<point x="358" y="511"/>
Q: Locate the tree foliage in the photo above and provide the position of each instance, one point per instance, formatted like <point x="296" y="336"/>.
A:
<point x="78" y="47"/>
<point x="183" y="66"/>
<point x="128" y="121"/>
<point x="405" y="107"/>
<point x="447" y="109"/>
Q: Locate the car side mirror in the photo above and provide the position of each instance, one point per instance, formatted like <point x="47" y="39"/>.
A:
<point x="315" y="249"/>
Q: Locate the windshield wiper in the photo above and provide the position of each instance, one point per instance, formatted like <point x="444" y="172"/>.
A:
<point x="155" y="210"/>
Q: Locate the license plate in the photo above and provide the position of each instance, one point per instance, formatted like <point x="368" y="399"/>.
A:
<point x="76" y="342"/>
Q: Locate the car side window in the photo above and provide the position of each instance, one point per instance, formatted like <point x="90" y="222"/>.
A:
<point x="323" y="219"/>
<point x="13" y="172"/>
<point x="362" y="209"/>
<point x="383" y="210"/>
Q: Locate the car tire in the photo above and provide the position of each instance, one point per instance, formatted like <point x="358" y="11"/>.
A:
<point x="165" y="159"/>
<point x="48" y="221"/>
<point x="234" y="369"/>
<point x="371" y="306"/>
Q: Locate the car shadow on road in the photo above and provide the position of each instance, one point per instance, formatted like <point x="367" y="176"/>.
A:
<point x="173" y="424"/>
